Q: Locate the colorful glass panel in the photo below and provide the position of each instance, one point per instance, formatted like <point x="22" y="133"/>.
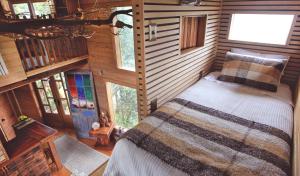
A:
<point x="87" y="80"/>
<point x="79" y="80"/>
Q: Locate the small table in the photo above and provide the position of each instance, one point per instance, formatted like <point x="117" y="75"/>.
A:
<point x="102" y="134"/>
<point x="31" y="136"/>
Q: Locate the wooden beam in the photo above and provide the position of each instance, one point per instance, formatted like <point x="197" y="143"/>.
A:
<point x="28" y="27"/>
<point x="55" y="66"/>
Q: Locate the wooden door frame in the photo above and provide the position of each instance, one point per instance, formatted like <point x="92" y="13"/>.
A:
<point x="67" y="119"/>
<point x="50" y="115"/>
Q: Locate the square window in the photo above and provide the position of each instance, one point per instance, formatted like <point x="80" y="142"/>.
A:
<point x="261" y="28"/>
<point x="41" y="8"/>
<point x="22" y="9"/>
<point x="193" y="32"/>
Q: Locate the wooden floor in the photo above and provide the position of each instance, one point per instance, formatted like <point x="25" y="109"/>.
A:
<point x="103" y="149"/>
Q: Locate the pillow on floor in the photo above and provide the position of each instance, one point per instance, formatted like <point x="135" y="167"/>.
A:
<point x="258" y="72"/>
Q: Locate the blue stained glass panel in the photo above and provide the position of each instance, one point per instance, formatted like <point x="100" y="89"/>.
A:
<point x="79" y="80"/>
<point x="81" y="95"/>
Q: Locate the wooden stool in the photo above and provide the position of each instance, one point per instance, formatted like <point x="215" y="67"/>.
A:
<point x="102" y="134"/>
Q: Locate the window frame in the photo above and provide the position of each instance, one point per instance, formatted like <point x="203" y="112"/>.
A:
<point x="116" y="46"/>
<point x="189" y="50"/>
<point x="109" y="94"/>
<point x="30" y="6"/>
<point x="259" y="43"/>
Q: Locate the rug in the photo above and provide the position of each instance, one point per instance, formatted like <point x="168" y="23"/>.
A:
<point x="79" y="158"/>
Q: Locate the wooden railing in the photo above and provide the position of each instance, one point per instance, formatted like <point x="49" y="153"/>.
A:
<point x="37" y="53"/>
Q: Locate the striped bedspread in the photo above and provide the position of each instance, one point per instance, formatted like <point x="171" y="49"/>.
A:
<point x="198" y="140"/>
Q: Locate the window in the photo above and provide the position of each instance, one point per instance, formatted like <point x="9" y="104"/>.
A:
<point x="124" y="106"/>
<point x="22" y="9"/>
<point x="261" y="28"/>
<point x="41" y="8"/>
<point x="32" y="9"/>
<point x="46" y="95"/>
<point x="125" y="43"/>
<point x="52" y="90"/>
<point x="193" y="32"/>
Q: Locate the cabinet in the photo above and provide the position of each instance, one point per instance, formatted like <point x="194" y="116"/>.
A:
<point x="32" y="163"/>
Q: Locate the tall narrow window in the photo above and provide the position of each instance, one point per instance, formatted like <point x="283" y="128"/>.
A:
<point x="124" y="102"/>
<point x="193" y="32"/>
<point x="125" y="43"/>
<point x="261" y="28"/>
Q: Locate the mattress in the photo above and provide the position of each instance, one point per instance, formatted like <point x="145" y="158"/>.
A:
<point x="273" y="111"/>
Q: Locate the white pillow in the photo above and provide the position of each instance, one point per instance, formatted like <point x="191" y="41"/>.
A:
<point x="252" y="53"/>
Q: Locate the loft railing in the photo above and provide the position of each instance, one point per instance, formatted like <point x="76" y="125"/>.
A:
<point x="37" y="53"/>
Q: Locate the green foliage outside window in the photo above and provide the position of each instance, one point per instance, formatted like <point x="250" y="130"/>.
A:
<point x="126" y="42"/>
<point x="124" y="105"/>
<point x="41" y="8"/>
<point x="22" y="9"/>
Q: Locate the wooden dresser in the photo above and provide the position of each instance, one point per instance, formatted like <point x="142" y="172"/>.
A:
<point x="32" y="152"/>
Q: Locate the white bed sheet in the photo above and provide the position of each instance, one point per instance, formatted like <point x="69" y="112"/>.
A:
<point x="273" y="109"/>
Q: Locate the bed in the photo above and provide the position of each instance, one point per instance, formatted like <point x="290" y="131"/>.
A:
<point x="212" y="128"/>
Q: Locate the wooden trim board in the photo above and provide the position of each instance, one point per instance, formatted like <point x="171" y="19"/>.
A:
<point x="296" y="137"/>
<point x="55" y="66"/>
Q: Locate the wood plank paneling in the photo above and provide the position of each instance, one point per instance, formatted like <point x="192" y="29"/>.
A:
<point x="7" y="117"/>
<point x="164" y="70"/>
<point x="9" y="52"/>
<point x="292" y="48"/>
<point x="103" y="57"/>
<point x="296" y="150"/>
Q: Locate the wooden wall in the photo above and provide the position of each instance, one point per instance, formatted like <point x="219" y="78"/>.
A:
<point x="27" y="100"/>
<point x="265" y="7"/>
<point x="12" y="60"/>
<point x="103" y="58"/>
<point x="164" y="71"/>
<point x="296" y="137"/>
<point x="7" y="117"/>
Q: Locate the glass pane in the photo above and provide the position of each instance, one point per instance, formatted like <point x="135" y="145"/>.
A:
<point x="39" y="84"/>
<point x="41" y="8"/>
<point x="60" y="89"/>
<point x="64" y="80"/>
<point x="43" y="96"/>
<point x="71" y="80"/>
<point x="126" y="42"/>
<point x="261" y="28"/>
<point x="57" y="77"/>
<point x="87" y="80"/>
<point x="67" y="95"/>
<point x="22" y="9"/>
<point x="47" y="88"/>
<point x="47" y="109"/>
<point x="53" y="105"/>
<point x="124" y="100"/>
<point x="65" y="107"/>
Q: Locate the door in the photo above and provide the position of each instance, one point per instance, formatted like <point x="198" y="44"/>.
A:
<point x="53" y="97"/>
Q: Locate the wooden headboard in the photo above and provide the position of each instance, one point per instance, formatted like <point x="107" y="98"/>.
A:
<point x="296" y="151"/>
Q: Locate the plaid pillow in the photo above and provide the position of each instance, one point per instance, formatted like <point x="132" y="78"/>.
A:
<point x="258" y="72"/>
